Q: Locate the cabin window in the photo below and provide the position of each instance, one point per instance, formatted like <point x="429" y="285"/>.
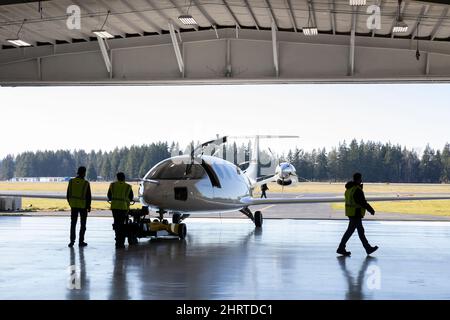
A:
<point x="177" y="171"/>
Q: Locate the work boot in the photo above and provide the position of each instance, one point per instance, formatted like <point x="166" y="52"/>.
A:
<point x="82" y="244"/>
<point x="343" y="252"/>
<point x="70" y="245"/>
<point x="371" y="250"/>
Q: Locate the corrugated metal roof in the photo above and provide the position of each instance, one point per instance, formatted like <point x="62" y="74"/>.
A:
<point x="147" y="17"/>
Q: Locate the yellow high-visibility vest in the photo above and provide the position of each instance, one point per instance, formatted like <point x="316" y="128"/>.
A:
<point x="77" y="193"/>
<point x="350" y="204"/>
<point x="120" y="195"/>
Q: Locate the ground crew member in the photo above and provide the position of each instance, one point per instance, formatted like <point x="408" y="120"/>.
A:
<point x="264" y="188"/>
<point x="355" y="209"/>
<point x="79" y="198"/>
<point x="120" y="194"/>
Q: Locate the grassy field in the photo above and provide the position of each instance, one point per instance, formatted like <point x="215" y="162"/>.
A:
<point x="401" y="188"/>
<point x="441" y="208"/>
<point x="435" y="208"/>
<point x="34" y="204"/>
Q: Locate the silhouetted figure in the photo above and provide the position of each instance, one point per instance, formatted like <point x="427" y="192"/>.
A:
<point x="355" y="209"/>
<point x="264" y="188"/>
<point x="120" y="194"/>
<point x="79" y="198"/>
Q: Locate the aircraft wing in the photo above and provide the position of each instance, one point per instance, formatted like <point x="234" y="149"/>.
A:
<point x="46" y="195"/>
<point x="257" y="201"/>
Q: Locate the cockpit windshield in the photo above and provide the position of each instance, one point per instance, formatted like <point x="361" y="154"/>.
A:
<point x="170" y="170"/>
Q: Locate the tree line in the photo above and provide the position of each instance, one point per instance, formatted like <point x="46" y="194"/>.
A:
<point x="379" y="162"/>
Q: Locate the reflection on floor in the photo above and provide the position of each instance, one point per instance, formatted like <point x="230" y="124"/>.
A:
<point x="225" y="259"/>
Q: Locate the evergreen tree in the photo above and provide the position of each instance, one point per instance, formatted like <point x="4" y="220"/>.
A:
<point x="7" y="168"/>
<point x="91" y="173"/>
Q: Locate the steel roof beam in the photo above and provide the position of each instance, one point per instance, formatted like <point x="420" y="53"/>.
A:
<point x="176" y="48"/>
<point x="422" y="13"/>
<point x="313" y="13"/>
<point x="141" y="16"/>
<point x="291" y="14"/>
<point x="351" y="61"/>
<point x="333" y="15"/>
<point x="233" y="16"/>
<point x="438" y="24"/>
<point x="103" y="48"/>
<point x="275" y="49"/>
<point x="200" y="8"/>
<point x="271" y="13"/>
<point x="251" y="14"/>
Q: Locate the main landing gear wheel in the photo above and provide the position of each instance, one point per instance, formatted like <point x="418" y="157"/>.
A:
<point x="182" y="230"/>
<point x="176" y="218"/>
<point x="258" y="219"/>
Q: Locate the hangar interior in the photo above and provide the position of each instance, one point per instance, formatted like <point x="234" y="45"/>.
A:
<point x="232" y="41"/>
<point x="147" y="42"/>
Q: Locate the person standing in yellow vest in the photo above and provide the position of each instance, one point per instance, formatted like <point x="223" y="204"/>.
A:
<point x="79" y="198"/>
<point x="355" y="209"/>
<point x="120" y="195"/>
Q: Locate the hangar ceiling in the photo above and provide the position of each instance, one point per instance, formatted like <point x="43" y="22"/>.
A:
<point x="234" y="41"/>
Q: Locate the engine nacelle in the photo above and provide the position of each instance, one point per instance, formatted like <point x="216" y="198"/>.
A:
<point x="285" y="182"/>
<point x="285" y="174"/>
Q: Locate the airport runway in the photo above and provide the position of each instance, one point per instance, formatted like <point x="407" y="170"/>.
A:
<point x="225" y="259"/>
<point x="286" y="211"/>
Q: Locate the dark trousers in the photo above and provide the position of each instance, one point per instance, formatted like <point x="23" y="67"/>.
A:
<point x="354" y="223"/>
<point x="73" y="223"/>
<point x="263" y="194"/>
<point x="120" y="217"/>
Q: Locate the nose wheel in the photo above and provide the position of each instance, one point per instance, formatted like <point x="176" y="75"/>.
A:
<point x="257" y="218"/>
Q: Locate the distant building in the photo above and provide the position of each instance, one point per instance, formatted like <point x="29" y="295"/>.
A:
<point x="40" y="179"/>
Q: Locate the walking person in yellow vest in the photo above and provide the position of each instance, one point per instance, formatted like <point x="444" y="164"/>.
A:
<point x="120" y="195"/>
<point x="79" y="198"/>
<point x="355" y="209"/>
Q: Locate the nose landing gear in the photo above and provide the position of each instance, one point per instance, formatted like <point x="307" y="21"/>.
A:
<point x="257" y="218"/>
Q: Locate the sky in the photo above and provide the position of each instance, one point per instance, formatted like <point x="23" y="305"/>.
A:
<point x="322" y="115"/>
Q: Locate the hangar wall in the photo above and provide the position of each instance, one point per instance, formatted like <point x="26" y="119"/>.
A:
<point x="228" y="59"/>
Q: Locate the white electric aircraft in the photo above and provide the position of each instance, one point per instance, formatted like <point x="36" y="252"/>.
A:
<point x="203" y="184"/>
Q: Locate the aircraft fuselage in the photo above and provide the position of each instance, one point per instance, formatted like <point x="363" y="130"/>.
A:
<point x="212" y="185"/>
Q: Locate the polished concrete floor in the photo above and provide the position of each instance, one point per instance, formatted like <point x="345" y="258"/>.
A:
<point x="225" y="259"/>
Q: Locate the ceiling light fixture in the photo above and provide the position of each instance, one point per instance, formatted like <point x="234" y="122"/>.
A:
<point x="102" y="33"/>
<point x="310" y="29"/>
<point x="187" y="19"/>
<point x="17" y="41"/>
<point x="357" y="2"/>
<point x="400" y="26"/>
